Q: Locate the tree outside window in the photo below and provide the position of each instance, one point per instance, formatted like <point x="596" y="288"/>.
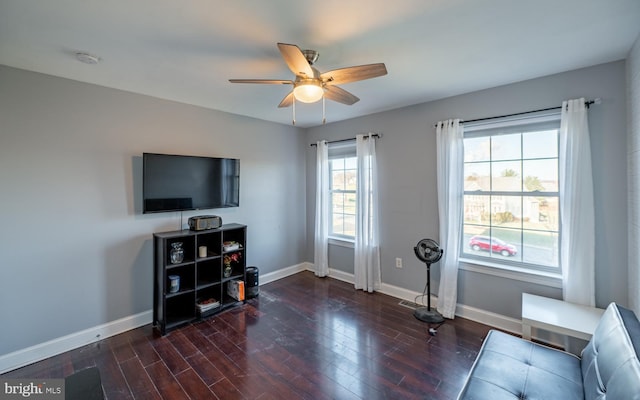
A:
<point x="511" y="198"/>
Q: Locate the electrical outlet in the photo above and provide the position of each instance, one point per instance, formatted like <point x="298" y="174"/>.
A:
<point x="398" y="262"/>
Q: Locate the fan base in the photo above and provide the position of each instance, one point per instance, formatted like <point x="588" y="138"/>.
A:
<point x="424" y="314"/>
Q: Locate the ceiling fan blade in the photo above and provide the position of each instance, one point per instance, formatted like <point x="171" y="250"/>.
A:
<point x="265" y="81"/>
<point x="353" y="74"/>
<point x="296" y="61"/>
<point x="287" y="101"/>
<point x="340" y="95"/>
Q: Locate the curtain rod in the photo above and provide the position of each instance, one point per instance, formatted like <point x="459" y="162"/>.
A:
<point x="587" y="103"/>
<point x="378" y="135"/>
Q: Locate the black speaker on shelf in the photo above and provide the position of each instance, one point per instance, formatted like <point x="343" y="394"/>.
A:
<point x="252" y="288"/>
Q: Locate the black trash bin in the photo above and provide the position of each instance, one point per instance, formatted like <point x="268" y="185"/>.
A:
<point x="252" y="289"/>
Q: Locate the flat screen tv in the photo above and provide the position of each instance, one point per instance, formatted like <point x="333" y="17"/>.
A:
<point x="178" y="183"/>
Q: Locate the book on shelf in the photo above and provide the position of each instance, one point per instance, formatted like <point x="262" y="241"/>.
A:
<point x="231" y="245"/>
<point x="235" y="289"/>
<point x="208" y="304"/>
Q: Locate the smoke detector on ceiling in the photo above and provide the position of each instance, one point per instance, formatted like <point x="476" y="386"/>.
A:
<point x="87" y="58"/>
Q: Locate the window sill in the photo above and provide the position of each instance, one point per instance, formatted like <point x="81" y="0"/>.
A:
<point x="537" y="277"/>
<point x="342" y="242"/>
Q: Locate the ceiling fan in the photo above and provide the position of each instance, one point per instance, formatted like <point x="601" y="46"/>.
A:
<point x="310" y="85"/>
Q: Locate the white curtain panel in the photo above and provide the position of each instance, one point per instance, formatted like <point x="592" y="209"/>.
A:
<point x="576" y="209"/>
<point x="367" y="247"/>
<point x="450" y="165"/>
<point x="321" y="237"/>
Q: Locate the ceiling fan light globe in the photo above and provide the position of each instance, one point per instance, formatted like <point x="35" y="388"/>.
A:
<point x="308" y="92"/>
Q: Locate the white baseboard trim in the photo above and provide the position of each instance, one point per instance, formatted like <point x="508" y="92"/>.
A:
<point x="499" y="321"/>
<point x="39" y="352"/>
<point x="474" y="314"/>
<point x="340" y="275"/>
<point x="20" y="358"/>
<point x="29" y="355"/>
<point x="283" y="273"/>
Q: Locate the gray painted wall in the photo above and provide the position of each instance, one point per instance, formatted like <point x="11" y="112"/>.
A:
<point x="77" y="253"/>
<point x="75" y="250"/>
<point x="633" y="155"/>
<point x="407" y="173"/>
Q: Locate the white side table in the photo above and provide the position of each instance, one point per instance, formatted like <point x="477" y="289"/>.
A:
<point x="558" y="316"/>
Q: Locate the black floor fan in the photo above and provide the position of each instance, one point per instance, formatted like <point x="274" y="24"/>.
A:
<point x="429" y="252"/>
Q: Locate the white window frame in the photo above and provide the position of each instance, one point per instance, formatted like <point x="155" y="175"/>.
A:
<point x="529" y="272"/>
<point x="342" y="150"/>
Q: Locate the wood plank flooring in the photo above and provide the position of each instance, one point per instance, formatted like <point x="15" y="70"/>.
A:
<point x="301" y="338"/>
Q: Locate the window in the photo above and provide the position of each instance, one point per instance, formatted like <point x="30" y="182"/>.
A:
<point x="342" y="191"/>
<point x="511" y="210"/>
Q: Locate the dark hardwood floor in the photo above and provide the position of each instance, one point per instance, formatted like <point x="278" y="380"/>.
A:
<point x="301" y="338"/>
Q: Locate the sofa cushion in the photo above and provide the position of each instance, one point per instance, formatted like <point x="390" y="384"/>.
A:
<point x="610" y="365"/>
<point x="508" y="367"/>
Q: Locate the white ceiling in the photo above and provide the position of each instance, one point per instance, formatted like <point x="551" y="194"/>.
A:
<point x="186" y="50"/>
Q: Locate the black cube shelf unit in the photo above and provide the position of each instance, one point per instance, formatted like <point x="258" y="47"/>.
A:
<point x="201" y="278"/>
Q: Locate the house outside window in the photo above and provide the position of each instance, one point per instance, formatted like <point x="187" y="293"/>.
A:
<point x="342" y="191"/>
<point x="511" y="215"/>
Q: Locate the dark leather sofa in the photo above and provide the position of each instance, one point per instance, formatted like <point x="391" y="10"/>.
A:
<point x="508" y="367"/>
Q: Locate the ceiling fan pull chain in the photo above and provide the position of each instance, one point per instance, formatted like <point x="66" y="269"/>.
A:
<point x="324" y="119"/>
<point x="294" y="111"/>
